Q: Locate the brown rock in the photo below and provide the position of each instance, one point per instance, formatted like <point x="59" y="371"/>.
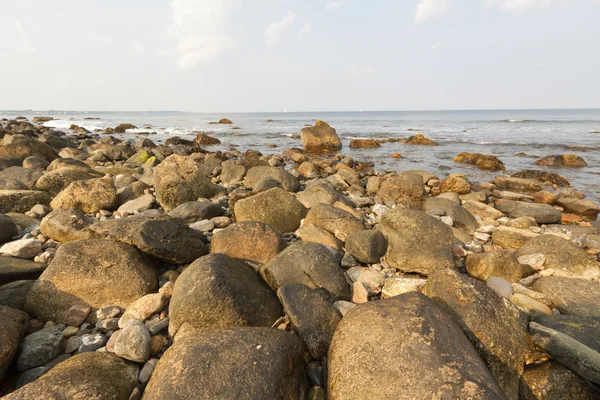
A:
<point x="421" y="140"/>
<point x="562" y="160"/>
<point x="482" y="161"/>
<point x="364" y="144"/>
<point x="456" y="183"/>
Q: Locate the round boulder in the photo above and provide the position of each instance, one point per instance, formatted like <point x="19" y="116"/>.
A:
<point x="89" y="196"/>
<point x="249" y="241"/>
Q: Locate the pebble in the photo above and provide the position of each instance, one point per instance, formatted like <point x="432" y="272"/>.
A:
<point x="133" y="342"/>
<point x="447" y="220"/>
<point x="91" y="342"/>
<point x="348" y="261"/>
<point x="360" y="294"/>
<point x="108" y="312"/>
<point x="70" y="331"/>
<point x="147" y="370"/>
<point x="77" y="314"/>
<point x="159" y="326"/>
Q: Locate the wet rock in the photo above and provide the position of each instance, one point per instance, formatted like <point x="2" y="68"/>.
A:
<point x="497" y="329"/>
<point x="335" y="220"/>
<point x="427" y="248"/>
<point x="499" y="263"/>
<point x="456" y="183"/>
<point x="366" y="246"/>
<point x="553" y="381"/>
<point x="13" y="294"/>
<point x="98" y="273"/>
<point x="66" y="225"/>
<point x="420" y="140"/>
<point x="266" y="363"/>
<point x="481" y="161"/>
<point x="100" y="376"/>
<point x="89" y="196"/>
<point x="12" y="329"/>
<point x="249" y="241"/>
<point x="275" y="207"/>
<point x="217" y="292"/>
<point x="364" y="144"/>
<point x="542" y="176"/>
<point x="320" y="139"/>
<point x="564" y="257"/>
<point x="414" y="344"/>
<point x="180" y="179"/>
<point x="571" y="296"/>
<point x="310" y="264"/>
<point x="313" y="319"/>
<point x="562" y="160"/>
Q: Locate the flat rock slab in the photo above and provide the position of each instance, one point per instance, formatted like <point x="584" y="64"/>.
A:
<point x="571" y="296"/>
<point x="15" y="269"/>
<point x="553" y="381"/>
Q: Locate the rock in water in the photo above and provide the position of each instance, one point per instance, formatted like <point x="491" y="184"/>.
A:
<point x="180" y="179"/>
<point x="313" y="319"/>
<point x="217" y="292"/>
<point x="497" y="329"/>
<point x="275" y="207"/>
<point x="250" y="241"/>
<point x="405" y="347"/>
<point x="13" y="327"/>
<point x="310" y="264"/>
<point x="562" y="160"/>
<point x="320" y="139"/>
<point x="417" y="242"/>
<point x="98" y="273"/>
<point x="482" y="161"/>
<point x="255" y="363"/>
<point x="92" y="375"/>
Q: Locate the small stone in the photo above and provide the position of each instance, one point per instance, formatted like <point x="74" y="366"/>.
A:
<point x="482" y="237"/>
<point x="30" y="376"/>
<point x="203" y="226"/>
<point x="159" y="327"/>
<point x="136" y="394"/>
<point x="134" y="342"/>
<point x="72" y="344"/>
<point x="144" y="307"/>
<point x="24" y="248"/>
<point x="344" y="306"/>
<point x="396" y="285"/>
<point x="348" y="261"/>
<point x="77" y="314"/>
<point x="529" y="305"/>
<point x="70" y="331"/>
<point x="39" y="347"/>
<point x="108" y="312"/>
<point x="360" y="294"/>
<point x="535" y="261"/>
<point x="91" y="342"/>
<point x="147" y="370"/>
<point x="447" y="220"/>
<point x="106" y="325"/>
<point x="500" y="285"/>
<point x="167" y="289"/>
<point x="156" y="344"/>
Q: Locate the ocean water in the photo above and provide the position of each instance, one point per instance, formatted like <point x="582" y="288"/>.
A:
<point x="503" y="133"/>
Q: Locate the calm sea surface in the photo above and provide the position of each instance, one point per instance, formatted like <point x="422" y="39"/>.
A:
<point x="503" y="133"/>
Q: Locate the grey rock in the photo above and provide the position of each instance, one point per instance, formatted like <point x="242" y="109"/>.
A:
<point x="38" y="348"/>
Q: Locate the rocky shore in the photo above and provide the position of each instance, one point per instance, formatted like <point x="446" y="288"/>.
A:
<point x="134" y="270"/>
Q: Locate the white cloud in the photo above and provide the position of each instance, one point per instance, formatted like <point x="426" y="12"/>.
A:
<point x="519" y="6"/>
<point x="436" y="46"/>
<point x="333" y="5"/>
<point x="306" y="30"/>
<point x="137" y="49"/>
<point x="200" y="29"/>
<point x="430" y="8"/>
<point x="363" y="71"/>
<point x="276" y="29"/>
<point x="25" y="42"/>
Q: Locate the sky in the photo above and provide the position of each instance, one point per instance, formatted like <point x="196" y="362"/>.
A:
<point x="311" y="55"/>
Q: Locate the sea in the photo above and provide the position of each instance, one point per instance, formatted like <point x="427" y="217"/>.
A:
<point x="503" y="133"/>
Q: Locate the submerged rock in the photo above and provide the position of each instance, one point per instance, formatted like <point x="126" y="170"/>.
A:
<point x="482" y="161"/>
<point x="562" y="160"/>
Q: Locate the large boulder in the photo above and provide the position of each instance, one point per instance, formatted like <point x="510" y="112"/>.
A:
<point x="256" y="175"/>
<point x="194" y="211"/>
<point x="274" y="207"/>
<point x="55" y="181"/>
<point x="22" y="147"/>
<point x="563" y="256"/>
<point x="417" y="242"/>
<point x="462" y="218"/>
<point x="16" y="269"/>
<point x="95" y="273"/>
<point x="179" y="179"/>
<point x="553" y="381"/>
<point x="405" y="347"/>
<point x="12" y="329"/>
<point x="497" y="329"/>
<point x="91" y="375"/>
<point x="334" y="220"/>
<point x="571" y="296"/>
<point x="8" y="229"/>
<point x="320" y="139"/>
<point x="366" y="246"/>
<point x="66" y="225"/>
<point x="481" y="161"/>
<point x="320" y="192"/>
<point x="251" y="363"/>
<point x="578" y="206"/>
<point x="218" y="292"/>
<point x="420" y="140"/>
<point x="310" y="264"/>
<point x="542" y="213"/>
<point x="20" y="201"/>
<point x="562" y="160"/>
<point x="89" y="196"/>
<point x="249" y="241"/>
<point x="501" y="263"/>
<point x="406" y="189"/>
<point x="168" y="239"/>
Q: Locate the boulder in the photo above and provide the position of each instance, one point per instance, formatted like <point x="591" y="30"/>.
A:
<point x="542" y="176"/>
<point x="563" y="256"/>
<point x="91" y="375"/>
<point x="405" y="347"/>
<point x="122" y="128"/>
<point x="218" y="292"/>
<point x="500" y="263"/>
<point x="571" y="296"/>
<point x="22" y="147"/>
<point x="334" y="220"/>
<point x="481" y="161"/>
<point x="89" y="196"/>
<point x="364" y="144"/>
<point x="462" y="218"/>
<point x="583" y="329"/>
<point x="366" y="246"/>
<point x="310" y="264"/>
<point x="312" y="318"/>
<point x="249" y="241"/>
<point x="562" y="160"/>
<point x="20" y="201"/>
<point x="232" y="172"/>
<point x="256" y="175"/>
<point x="15" y="269"/>
<point x="253" y="363"/>
<point x="456" y="183"/>
<point x="582" y="207"/>
<point x="180" y="179"/>
<point x="204" y="139"/>
<point x="225" y="121"/>
<point x="483" y="210"/>
<point x="320" y="139"/>
<point x="553" y="381"/>
<point x="57" y="180"/>
<point x="194" y="211"/>
<point x="13" y="294"/>
<point x="8" y="229"/>
<point x="274" y="207"/>
<point x="542" y="213"/>
<point x="406" y="189"/>
<point x="320" y="192"/>
<point x="497" y="329"/>
<point x="22" y="248"/>
<point x="66" y="225"/>
<point x="421" y="140"/>
<point x="517" y="184"/>
<point x="12" y="329"/>
<point x="417" y="242"/>
<point x="97" y="273"/>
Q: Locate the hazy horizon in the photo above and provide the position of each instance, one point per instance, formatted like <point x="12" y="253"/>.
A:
<point x="328" y="55"/>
